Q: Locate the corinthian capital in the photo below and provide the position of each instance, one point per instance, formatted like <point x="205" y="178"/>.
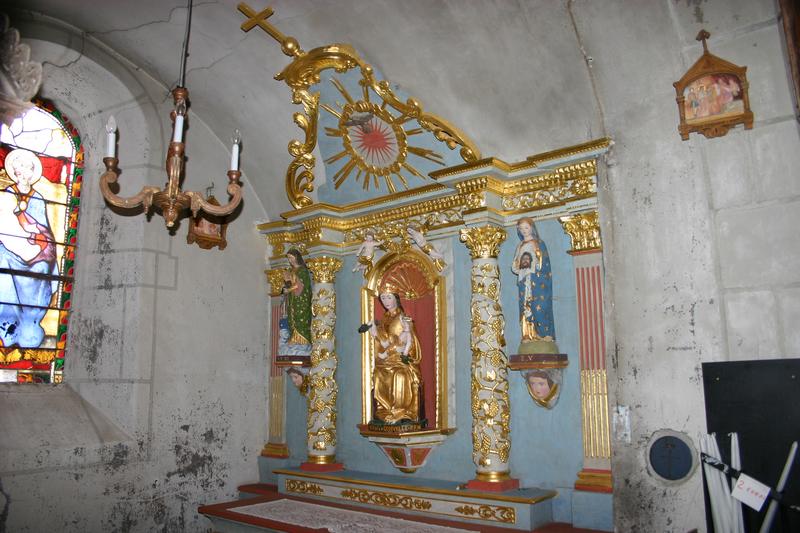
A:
<point x="324" y="268"/>
<point x="483" y="241"/>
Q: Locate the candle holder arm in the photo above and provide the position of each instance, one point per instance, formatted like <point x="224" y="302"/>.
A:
<point x="111" y="175"/>
<point x="198" y="203"/>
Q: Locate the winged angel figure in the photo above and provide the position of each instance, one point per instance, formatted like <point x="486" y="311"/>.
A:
<point x="19" y="78"/>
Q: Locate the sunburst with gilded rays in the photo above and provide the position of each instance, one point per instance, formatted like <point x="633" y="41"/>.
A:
<point x="375" y="142"/>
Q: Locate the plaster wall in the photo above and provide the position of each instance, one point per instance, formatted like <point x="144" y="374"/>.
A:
<point x="700" y="243"/>
<point x="164" y="402"/>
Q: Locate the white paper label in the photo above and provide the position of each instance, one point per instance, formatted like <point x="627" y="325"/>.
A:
<point x="750" y="492"/>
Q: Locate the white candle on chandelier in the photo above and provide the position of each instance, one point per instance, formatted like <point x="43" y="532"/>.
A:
<point x="177" y="135"/>
<point x="237" y="139"/>
<point x="180" y="111"/>
<point x="111" y="137"/>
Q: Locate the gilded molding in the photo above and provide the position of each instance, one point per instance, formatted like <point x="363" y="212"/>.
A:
<point x="531" y="162"/>
<point x="560" y="186"/>
<point x="494" y="496"/>
<point x="276" y="446"/>
<point x="355" y="206"/>
<point x="386" y="499"/>
<point x="495" y="513"/>
<point x="275" y="278"/>
<point x="480" y="184"/>
<point x="279" y="450"/>
<point x="594" y="408"/>
<point x="584" y="231"/>
<point x="324" y="268"/>
<point x="552" y="179"/>
<point x="483" y="242"/>
<point x="302" y="487"/>
<point x="570" y="151"/>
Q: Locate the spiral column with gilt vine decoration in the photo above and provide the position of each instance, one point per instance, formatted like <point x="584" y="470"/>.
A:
<point x="323" y="390"/>
<point x="491" y="407"/>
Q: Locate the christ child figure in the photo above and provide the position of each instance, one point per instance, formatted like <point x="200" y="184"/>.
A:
<point x="366" y="252"/>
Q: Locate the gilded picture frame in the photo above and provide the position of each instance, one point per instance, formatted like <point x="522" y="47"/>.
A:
<point x="369" y="295"/>
<point x="713" y="96"/>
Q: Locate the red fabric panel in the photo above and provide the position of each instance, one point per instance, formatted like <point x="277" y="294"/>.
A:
<point x="423" y="311"/>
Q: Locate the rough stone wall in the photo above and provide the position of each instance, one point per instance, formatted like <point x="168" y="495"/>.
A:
<point x="166" y="343"/>
<point x="700" y="236"/>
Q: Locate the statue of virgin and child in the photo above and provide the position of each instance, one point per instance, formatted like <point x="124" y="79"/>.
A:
<point x="535" y="291"/>
<point x="396" y="377"/>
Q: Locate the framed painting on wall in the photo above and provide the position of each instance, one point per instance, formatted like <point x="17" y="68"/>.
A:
<point x="712" y="96"/>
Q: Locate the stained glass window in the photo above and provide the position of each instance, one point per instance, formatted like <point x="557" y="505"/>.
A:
<point x="41" y="166"/>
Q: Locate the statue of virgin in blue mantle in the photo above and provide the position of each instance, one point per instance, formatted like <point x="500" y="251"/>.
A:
<point x="535" y="290"/>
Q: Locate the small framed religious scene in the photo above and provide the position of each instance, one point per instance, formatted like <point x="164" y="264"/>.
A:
<point x="207" y="231"/>
<point x="712" y="96"/>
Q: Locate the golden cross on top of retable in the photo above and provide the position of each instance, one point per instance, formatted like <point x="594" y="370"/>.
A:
<point x="289" y="45"/>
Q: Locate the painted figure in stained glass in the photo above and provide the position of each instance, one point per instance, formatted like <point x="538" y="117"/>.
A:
<point x="396" y="376"/>
<point x="26" y="245"/>
<point x="535" y="291"/>
<point x="41" y="164"/>
<point x="297" y="292"/>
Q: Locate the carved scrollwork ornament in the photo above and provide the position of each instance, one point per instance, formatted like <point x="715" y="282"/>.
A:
<point x="304" y="71"/>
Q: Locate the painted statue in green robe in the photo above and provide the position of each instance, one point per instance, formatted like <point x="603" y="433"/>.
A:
<point x="297" y="290"/>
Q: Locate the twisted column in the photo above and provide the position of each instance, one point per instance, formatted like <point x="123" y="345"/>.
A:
<point x="323" y="389"/>
<point x="491" y="408"/>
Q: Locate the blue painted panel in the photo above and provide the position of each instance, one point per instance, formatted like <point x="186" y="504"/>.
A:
<point x="546" y="444"/>
<point x="592" y="510"/>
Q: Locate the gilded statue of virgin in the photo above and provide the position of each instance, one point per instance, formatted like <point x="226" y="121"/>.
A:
<point x="396" y="378"/>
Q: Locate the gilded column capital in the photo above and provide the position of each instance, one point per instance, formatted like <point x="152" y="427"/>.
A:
<point x="483" y="241"/>
<point x="324" y="268"/>
<point x="275" y="278"/>
<point x="584" y="231"/>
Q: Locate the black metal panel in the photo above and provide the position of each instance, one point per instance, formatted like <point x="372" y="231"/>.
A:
<point x="760" y="400"/>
